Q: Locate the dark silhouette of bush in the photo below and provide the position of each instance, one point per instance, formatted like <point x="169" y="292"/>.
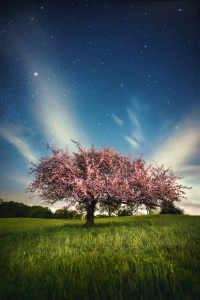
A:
<point x="102" y="216"/>
<point x="40" y="212"/>
<point x="73" y="214"/>
<point x="64" y="213"/>
<point x="172" y="209"/>
<point x="124" y="213"/>
<point x="13" y="209"/>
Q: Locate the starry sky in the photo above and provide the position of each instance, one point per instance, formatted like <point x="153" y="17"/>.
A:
<point x="123" y="74"/>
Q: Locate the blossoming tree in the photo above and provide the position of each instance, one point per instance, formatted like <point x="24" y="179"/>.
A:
<point x="93" y="177"/>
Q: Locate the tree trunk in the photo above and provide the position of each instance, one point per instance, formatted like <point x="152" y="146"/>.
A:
<point x="90" y="214"/>
<point x="109" y="211"/>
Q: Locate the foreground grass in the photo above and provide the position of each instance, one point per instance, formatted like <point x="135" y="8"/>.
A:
<point x="139" y="257"/>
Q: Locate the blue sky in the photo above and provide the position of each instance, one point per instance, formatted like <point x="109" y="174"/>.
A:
<point x="117" y="73"/>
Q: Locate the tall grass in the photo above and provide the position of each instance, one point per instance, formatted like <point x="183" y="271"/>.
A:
<point x="138" y="257"/>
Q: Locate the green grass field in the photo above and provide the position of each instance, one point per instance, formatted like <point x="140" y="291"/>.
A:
<point x="138" y="257"/>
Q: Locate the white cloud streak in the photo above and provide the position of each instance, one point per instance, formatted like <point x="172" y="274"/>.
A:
<point x="138" y="136"/>
<point x="51" y="103"/>
<point x="137" y="133"/>
<point x="133" y="117"/>
<point x="131" y="141"/>
<point x="23" y="148"/>
<point x="117" y="120"/>
<point x="180" y="149"/>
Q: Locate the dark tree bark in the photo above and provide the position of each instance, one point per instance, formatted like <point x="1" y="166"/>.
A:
<point x="109" y="212"/>
<point x="90" y="214"/>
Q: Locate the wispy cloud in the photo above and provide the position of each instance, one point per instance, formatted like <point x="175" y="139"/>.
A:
<point x="52" y="102"/>
<point x="192" y="203"/>
<point x="136" y="104"/>
<point x="23" y="148"/>
<point x="137" y="133"/>
<point x="21" y="181"/>
<point x="138" y="136"/>
<point x="132" y="142"/>
<point x="132" y="117"/>
<point x="55" y="113"/>
<point x="117" y="120"/>
<point x="179" y="150"/>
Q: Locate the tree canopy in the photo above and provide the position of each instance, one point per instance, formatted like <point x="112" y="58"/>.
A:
<point x="104" y="176"/>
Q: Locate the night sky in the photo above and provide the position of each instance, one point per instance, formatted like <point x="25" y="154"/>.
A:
<point x="123" y="74"/>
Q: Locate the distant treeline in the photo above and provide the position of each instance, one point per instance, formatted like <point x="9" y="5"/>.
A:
<point x="13" y="209"/>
